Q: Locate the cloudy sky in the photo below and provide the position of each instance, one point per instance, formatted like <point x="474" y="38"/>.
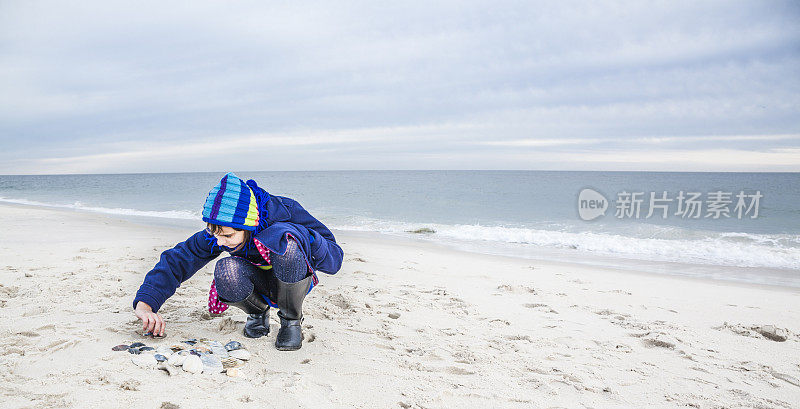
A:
<point x="107" y="87"/>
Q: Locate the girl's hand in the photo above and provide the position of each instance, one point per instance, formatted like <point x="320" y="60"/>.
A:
<point x="153" y="323"/>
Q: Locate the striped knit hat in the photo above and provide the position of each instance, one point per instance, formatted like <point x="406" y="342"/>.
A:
<point x="231" y="203"/>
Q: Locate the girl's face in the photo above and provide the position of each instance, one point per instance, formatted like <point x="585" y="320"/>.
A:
<point x="230" y="237"/>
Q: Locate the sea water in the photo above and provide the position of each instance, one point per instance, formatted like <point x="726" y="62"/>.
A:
<point x="531" y="214"/>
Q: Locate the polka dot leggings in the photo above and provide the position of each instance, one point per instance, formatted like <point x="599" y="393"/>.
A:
<point x="236" y="277"/>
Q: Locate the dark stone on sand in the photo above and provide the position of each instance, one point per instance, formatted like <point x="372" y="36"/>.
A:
<point x="134" y="351"/>
<point x="137" y="345"/>
<point x="120" y="348"/>
<point x="160" y="358"/>
<point x="142" y="349"/>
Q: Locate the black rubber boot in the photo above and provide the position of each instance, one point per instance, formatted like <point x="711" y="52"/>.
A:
<point x="257" y="310"/>
<point x="290" y="301"/>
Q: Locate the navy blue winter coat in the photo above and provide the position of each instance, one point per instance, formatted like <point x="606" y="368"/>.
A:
<point x="284" y="216"/>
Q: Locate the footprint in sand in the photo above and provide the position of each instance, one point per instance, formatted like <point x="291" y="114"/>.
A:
<point x="517" y="289"/>
<point x="458" y="371"/>
<point x="498" y="321"/>
<point x="340" y="301"/>
<point x="518" y="338"/>
<point x="544" y="307"/>
<point x="35" y="311"/>
<point x="770" y="332"/>
<point x="9" y="291"/>
<point x="655" y="339"/>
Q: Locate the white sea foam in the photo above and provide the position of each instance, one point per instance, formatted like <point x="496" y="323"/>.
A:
<point x="168" y="214"/>
<point x="646" y="242"/>
<point x="680" y="245"/>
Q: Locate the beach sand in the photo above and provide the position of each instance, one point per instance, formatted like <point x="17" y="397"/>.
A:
<point x="404" y="324"/>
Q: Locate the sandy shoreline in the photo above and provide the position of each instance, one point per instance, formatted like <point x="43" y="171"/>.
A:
<point x="471" y="330"/>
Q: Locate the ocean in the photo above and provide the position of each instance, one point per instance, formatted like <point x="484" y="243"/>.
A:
<point x="728" y="226"/>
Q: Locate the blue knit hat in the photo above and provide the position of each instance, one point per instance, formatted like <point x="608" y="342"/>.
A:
<point x="232" y="203"/>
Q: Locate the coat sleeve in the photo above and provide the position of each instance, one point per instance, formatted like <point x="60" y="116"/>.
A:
<point x="326" y="255"/>
<point x="176" y="265"/>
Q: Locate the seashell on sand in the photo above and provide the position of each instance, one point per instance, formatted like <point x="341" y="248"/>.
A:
<point x="218" y="349"/>
<point x="211" y="364"/>
<point x="192" y="364"/>
<point x="231" y="362"/>
<point x="171" y="370"/>
<point x="178" y="347"/>
<point x="164" y="350"/>
<point x="176" y="359"/>
<point x="242" y="354"/>
<point x="144" y="361"/>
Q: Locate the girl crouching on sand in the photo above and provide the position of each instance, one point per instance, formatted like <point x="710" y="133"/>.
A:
<point x="275" y="248"/>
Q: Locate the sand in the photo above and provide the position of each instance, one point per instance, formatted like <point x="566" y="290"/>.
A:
<point x="404" y="324"/>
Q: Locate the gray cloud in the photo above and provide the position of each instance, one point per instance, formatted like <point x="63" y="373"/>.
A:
<point x="117" y="87"/>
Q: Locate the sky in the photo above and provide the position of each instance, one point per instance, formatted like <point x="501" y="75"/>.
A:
<point x="117" y="87"/>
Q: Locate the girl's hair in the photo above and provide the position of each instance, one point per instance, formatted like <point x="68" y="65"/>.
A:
<point x="216" y="229"/>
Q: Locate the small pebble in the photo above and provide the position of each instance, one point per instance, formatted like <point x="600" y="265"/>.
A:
<point x="232" y="372"/>
<point x="159" y="357"/>
<point x="134" y="351"/>
<point x="394" y="315"/>
<point x="233" y="345"/>
<point x="120" y="348"/>
<point x="136" y="344"/>
<point x="190" y="341"/>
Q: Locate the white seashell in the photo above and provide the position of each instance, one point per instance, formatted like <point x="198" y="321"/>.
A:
<point x="171" y="370"/>
<point x="232" y="372"/>
<point x="144" y="360"/>
<point x="211" y="364"/>
<point x="218" y="349"/>
<point x="164" y="350"/>
<point x="193" y="364"/>
<point x="242" y="354"/>
<point x="176" y="359"/>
